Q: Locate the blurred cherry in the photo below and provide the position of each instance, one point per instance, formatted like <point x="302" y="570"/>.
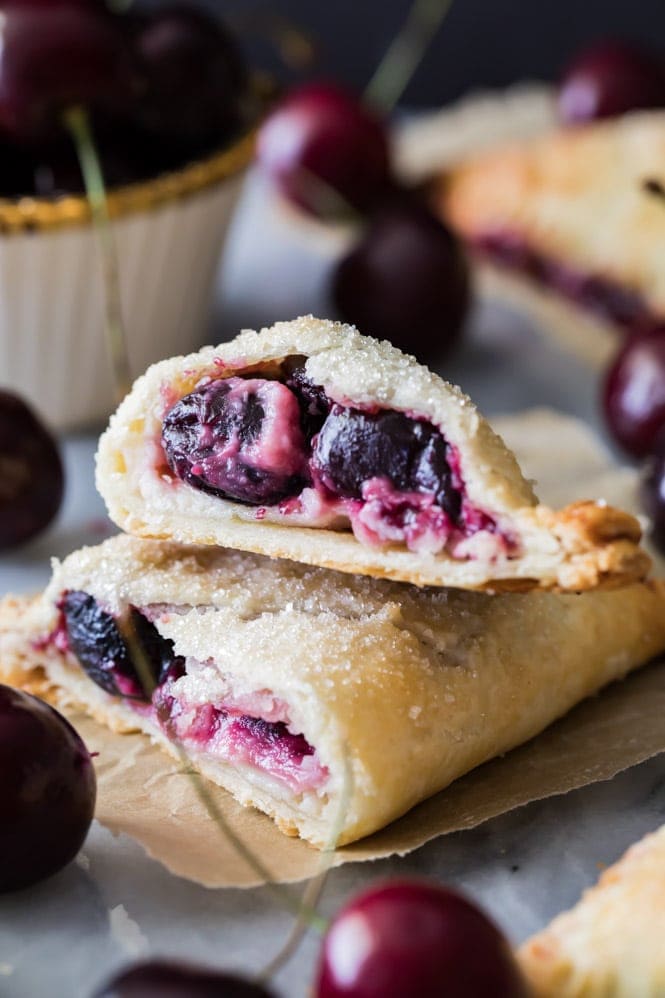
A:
<point x="193" y="75"/>
<point x="31" y="473"/>
<point x="54" y="56"/>
<point x="634" y="393"/>
<point x="608" y="79"/>
<point x="47" y="790"/>
<point x="163" y="979"/>
<point x="325" y="151"/>
<point x="406" y="281"/>
<point x="411" y="939"/>
<point x="653" y="492"/>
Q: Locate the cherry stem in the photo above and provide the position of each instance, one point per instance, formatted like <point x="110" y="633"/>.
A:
<point x="78" y="123"/>
<point x="314" y="889"/>
<point x="302" y="910"/>
<point x="405" y="53"/>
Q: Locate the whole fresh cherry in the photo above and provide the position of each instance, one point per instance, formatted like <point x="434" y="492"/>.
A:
<point x="411" y="939"/>
<point x="325" y="151"/>
<point x="31" y="473"/>
<point x="163" y="979"/>
<point x="48" y="790"/>
<point x="406" y="281"/>
<point x="608" y="79"/>
<point x="54" y="56"/>
<point x="653" y="493"/>
<point x="192" y="73"/>
<point x="634" y="393"/>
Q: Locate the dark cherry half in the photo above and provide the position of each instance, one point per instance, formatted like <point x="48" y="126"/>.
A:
<point x="31" y="474"/>
<point x="634" y="393"/>
<point x="94" y="637"/>
<point x="608" y="79"/>
<point x="355" y="446"/>
<point x="406" y="281"/>
<point x="164" y="979"/>
<point x="55" y="56"/>
<point x="325" y="151"/>
<point x="240" y="439"/>
<point x="411" y="939"/>
<point x="192" y="73"/>
<point x="48" y="790"/>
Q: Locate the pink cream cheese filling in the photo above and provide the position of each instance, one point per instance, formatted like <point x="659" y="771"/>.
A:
<point x="252" y="730"/>
<point x="292" y="453"/>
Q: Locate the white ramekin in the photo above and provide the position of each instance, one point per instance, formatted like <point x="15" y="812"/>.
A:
<point x="169" y="234"/>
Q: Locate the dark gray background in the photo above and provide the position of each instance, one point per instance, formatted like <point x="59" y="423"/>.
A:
<point x="482" y="42"/>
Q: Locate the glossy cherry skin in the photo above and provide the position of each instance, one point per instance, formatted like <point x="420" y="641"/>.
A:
<point x="634" y="393"/>
<point x="162" y="979"/>
<point x="406" y="281"/>
<point x="414" y="939"/>
<point x="193" y="75"/>
<point x="609" y="79"/>
<point x="31" y="473"/>
<point x="47" y="799"/>
<point x="325" y="151"/>
<point x="653" y="494"/>
<point x="55" y="56"/>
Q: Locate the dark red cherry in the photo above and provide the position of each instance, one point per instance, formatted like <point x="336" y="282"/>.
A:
<point x="193" y="75"/>
<point x="608" y="79"/>
<point x="410" y="939"/>
<point x="634" y="393"/>
<point x="406" y="281"/>
<point x="47" y="799"/>
<point x="653" y="493"/>
<point x="94" y="637"/>
<point x="354" y="447"/>
<point x="162" y="979"/>
<point x="31" y="473"/>
<point x="55" y="56"/>
<point x="325" y="151"/>
<point x="240" y="438"/>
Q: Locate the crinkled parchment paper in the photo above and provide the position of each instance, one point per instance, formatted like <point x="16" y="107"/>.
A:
<point x="143" y="793"/>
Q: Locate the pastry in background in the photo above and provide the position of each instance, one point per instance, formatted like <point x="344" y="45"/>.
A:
<point x="611" y="942"/>
<point x="571" y="226"/>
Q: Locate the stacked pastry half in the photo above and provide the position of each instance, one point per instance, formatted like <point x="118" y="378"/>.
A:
<point x="336" y="591"/>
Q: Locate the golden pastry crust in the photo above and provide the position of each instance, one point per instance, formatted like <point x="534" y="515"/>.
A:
<point x="611" y="944"/>
<point x="562" y="550"/>
<point x="576" y="196"/>
<point x="403" y="689"/>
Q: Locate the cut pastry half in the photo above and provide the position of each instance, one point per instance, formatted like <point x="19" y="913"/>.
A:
<point x="333" y="703"/>
<point x="311" y="442"/>
<point x="611" y="942"/>
<point x="571" y="225"/>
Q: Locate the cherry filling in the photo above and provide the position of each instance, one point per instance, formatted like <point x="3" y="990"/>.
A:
<point x="287" y="444"/>
<point x="240" y="439"/>
<point x="596" y="294"/>
<point x="102" y="648"/>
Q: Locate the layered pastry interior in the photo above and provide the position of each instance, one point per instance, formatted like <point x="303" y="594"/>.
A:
<point x="309" y="441"/>
<point x="191" y="701"/>
<point x="276" y="442"/>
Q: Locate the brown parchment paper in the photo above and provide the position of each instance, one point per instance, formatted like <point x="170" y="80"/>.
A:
<point x="145" y="794"/>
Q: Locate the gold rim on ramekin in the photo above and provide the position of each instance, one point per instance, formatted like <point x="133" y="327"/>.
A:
<point x="33" y="214"/>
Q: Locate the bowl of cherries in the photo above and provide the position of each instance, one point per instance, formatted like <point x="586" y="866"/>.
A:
<point x="152" y="115"/>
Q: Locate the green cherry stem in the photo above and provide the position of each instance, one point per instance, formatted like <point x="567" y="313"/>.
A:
<point x="78" y="124"/>
<point x="405" y="53"/>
